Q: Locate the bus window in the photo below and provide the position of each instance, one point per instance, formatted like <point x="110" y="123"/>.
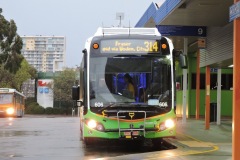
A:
<point x="5" y="98"/>
<point x="16" y="98"/>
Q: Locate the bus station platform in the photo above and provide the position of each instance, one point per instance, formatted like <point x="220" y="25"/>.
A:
<point x="193" y="142"/>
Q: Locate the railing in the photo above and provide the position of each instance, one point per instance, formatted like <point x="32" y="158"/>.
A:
<point x="131" y="127"/>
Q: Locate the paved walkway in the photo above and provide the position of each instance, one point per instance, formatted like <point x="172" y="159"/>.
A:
<point x="194" y="143"/>
<point x="215" y="143"/>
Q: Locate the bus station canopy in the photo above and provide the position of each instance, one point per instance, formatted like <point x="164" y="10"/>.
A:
<point x="209" y="13"/>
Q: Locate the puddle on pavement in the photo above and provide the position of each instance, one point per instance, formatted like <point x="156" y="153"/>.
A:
<point x="15" y="155"/>
<point x="117" y="148"/>
<point x="19" y="133"/>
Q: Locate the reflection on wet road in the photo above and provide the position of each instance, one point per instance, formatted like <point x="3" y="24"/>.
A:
<point x="57" y="138"/>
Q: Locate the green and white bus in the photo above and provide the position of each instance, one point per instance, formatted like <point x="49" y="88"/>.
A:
<point x="127" y="86"/>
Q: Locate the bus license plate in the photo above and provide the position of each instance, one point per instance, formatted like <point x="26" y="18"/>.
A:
<point x="127" y="133"/>
<point x="135" y="133"/>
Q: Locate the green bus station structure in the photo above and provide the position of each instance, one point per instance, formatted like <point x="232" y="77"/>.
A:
<point x="208" y="32"/>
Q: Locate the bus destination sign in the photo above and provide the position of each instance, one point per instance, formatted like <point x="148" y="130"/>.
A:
<point x="2" y="90"/>
<point x="129" y="46"/>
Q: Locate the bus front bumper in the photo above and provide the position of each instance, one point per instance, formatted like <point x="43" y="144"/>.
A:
<point x="7" y="112"/>
<point x="129" y="134"/>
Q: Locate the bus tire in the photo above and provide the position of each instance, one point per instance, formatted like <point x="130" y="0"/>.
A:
<point x="88" y="141"/>
<point x="20" y="114"/>
<point x="81" y="135"/>
<point x="157" y="142"/>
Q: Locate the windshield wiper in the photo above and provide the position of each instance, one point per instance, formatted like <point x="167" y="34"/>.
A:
<point x="111" y="105"/>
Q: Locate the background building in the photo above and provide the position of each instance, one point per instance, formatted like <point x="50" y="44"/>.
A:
<point x="45" y="53"/>
<point x="28" y="88"/>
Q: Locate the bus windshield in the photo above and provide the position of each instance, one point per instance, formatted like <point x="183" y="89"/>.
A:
<point x="130" y="80"/>
<point x="5" y="98"/>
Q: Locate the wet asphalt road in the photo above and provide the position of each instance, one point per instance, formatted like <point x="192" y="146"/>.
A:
<point x="55" y="138"/>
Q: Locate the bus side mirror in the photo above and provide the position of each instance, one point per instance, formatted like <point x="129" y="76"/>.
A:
<point x="183" y="61"/>
<point x="75" y="93"/>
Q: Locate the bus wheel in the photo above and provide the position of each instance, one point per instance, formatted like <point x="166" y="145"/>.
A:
<point x="20" y="114"/>
<point x="157" y="142"/>
<point x="81" y="135"/>
<point x="88" y="141"/>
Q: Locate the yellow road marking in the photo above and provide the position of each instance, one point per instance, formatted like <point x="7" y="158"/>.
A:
<point x="196" y="143"/>
<point x="173" y="153"/>
<point x="190" y="152"/>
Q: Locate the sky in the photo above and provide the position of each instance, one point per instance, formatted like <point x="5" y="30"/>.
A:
<point x="75" y="19"/>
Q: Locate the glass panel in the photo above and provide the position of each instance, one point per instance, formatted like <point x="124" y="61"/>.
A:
<point x="5" y="98"/>
<point x="142" y="80"/>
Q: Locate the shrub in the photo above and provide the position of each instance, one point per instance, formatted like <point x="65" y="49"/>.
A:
<point x="34" y="109"/>
<point x="58" y="110"/>
<point x="30" y="100"/>
<point x="33" y="104"/>
<point x="49" y="110"/>
<point x="38" y="110"/>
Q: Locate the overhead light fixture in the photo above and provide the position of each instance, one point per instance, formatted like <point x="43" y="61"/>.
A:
<point x="230" y="66"/>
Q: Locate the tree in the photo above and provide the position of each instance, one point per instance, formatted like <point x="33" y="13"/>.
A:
<point x="14" y="69"/>
<point x="11" y="80"/>
<point x="62" y="88"/>
<point x="10" y="45"/>
<point x="6" y="79"/>
<point x="24" y="73"/>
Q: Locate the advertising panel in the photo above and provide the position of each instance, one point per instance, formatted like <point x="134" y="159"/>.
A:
<point x="45" y="93"/>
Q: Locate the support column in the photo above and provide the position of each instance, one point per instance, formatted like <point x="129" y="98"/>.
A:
<point x="207" y="99"/>
<point x="219" y="95"/>
<point x="78" y="111"/>
<point x="236" y="90"/>
<point x="198" y="85"/>
<point x="184" y="105"/>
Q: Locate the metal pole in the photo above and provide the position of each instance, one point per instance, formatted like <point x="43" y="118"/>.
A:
<point x="198" y="85"/>
<point x="207" y="99"/>
<point x="184" y="105"/>
<point x="219" y="90"/>
<point x="120" y="22"/>
<point x="236" y="87"/>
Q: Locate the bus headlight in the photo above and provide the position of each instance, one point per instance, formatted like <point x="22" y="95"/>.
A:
<point x="95" y="125"/>
<point x="169" y="123"/>
<point x="10" y="111"/>
<point x="100" y="127"/>
<point x="92" y="124"/>
<point x="162" y="127"/>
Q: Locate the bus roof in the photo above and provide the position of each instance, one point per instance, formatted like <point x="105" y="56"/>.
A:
<point x="127" y="31"/>
<point x="10" y="90"/>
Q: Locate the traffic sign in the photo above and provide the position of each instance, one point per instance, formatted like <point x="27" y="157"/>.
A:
<point x="234" y="11"/>
<point x="172" y="30"/>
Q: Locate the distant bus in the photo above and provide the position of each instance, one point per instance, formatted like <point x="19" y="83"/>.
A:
<point x="127" y="86"/>
<point x="12" y="102"/>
